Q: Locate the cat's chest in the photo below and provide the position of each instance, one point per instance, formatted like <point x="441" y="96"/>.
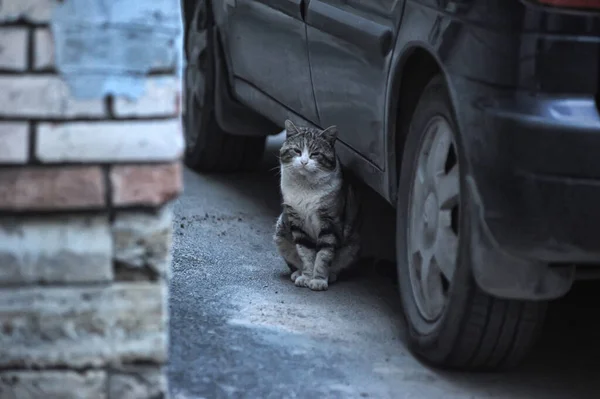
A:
<point x="305" y="205"/>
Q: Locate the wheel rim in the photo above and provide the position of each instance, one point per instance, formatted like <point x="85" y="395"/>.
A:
<point x="433" y="219"/>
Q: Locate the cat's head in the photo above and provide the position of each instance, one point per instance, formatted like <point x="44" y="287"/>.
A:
<point x="308" y="151"/>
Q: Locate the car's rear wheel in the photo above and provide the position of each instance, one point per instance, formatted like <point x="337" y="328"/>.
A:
<point x="208" y="147"/>
<point x="452" y="323"/>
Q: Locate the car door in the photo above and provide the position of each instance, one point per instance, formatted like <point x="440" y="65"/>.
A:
<point x="350" y="44"/>
<point x="268" y="50"/>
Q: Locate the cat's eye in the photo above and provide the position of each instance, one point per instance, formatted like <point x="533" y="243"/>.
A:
<point x="315" y="154"/>
<point x="296" y="151"/>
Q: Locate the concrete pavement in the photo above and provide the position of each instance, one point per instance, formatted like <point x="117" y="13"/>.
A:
<point x="241" y="329"/>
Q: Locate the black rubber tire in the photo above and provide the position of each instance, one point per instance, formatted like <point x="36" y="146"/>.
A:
<point x="475" y="331"/>
<point x="208" y="147"/>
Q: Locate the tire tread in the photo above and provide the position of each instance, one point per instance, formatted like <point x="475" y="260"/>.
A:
<point x="504" y="337"/>
<point x="228" y="153"/>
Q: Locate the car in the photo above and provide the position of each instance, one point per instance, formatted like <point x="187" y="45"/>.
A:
<point x="477" y="120"/>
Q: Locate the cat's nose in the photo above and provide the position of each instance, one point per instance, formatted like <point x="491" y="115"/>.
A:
<point x="304" y="162"/>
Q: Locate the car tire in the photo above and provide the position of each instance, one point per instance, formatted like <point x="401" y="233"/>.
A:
<point x="452" y="323"/>
<point x="208" y="147"/>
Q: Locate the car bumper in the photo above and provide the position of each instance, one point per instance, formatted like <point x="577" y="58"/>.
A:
<point x="535" y="165"/>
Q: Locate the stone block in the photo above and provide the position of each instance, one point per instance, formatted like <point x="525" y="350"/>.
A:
<point x="137" y="382"/>
<point x="71" y="249"/>
<point x="112" y="141"/>
<point x="14" y="142"/>
<point x="53" y="385"/>
<point x="78" y="327"/>
<point x="13" y="48"/>
<point x="59" y="188"/>
<point x="149" y="185"/>
<point x="43" y="96"/>
<point x="142" y="244"/>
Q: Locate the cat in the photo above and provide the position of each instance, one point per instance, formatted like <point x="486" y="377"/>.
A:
<point x="317" y="234"/>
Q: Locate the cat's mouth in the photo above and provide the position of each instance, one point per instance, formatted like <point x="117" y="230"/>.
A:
<point x="306" y="169"/>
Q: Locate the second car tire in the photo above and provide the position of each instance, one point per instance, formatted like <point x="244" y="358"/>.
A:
<point x="208" y="147"/>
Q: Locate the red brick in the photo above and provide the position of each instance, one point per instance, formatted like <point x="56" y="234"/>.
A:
<point x="150" y="185"/>
<point x="55" y="188"/>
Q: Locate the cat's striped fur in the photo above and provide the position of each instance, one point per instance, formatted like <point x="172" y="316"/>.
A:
<point x="318" y="231"/>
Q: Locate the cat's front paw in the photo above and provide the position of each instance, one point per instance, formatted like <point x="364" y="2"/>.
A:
<point x="295" y="275"/>
<point x="318" y="284"/>
<point x="301" y="281"/>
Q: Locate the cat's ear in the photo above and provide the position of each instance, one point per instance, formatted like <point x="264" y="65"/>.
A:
<point x="330" y="134"/>
<point x="290" y="128"/>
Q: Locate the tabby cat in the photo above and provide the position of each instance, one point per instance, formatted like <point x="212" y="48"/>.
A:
<point x="318" y="231"/>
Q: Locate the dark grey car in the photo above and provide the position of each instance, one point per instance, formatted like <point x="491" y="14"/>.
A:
<point x="476" y="119"/>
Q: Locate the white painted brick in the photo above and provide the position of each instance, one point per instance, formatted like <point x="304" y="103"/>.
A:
<point x="13" y="48"/>
<point x="43" y="97"/>
<point x="43" y="55"/>
<point x="110" y="141"/>
<point x="83" y="327"/>
<point x="53" y="385"/>
<point x="14" y="142"/>
<point x="161" y="97"/>
<point x="55" y="249"/>
<point x="36" y="11"/>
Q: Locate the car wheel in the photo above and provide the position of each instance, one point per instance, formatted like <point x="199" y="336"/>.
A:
<point x="452" y="323"/>
<point x="208" y="147"/>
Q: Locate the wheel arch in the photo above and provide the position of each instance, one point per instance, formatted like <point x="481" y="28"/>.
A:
<point x="415" y="65"/>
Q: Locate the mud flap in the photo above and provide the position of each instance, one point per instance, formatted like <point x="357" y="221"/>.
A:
<point x="232" y="116"/>
<point x="503" y="275"/>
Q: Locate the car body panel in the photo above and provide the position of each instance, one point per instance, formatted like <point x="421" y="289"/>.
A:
<point x="278" y="63"/>
<point x="350" y="46"/>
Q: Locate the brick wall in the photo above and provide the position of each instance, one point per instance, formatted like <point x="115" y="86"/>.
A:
<point x="85" y="225"/>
